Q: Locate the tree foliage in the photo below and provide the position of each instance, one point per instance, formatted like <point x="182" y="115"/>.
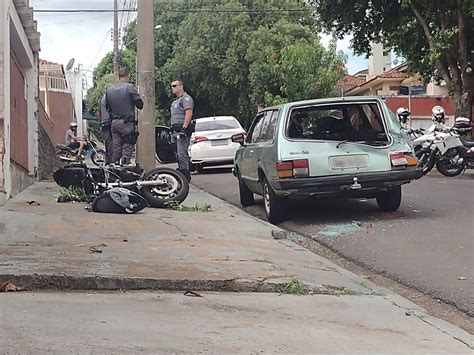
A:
<point x="435" y="36"/>
<point x="234" y="54"/>
<point x="103" y="77"/>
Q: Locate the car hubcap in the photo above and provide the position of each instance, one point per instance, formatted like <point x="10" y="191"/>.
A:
<point x="266" y="197"/>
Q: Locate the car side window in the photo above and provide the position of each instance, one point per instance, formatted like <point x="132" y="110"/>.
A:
<point x="268" y="126"/>
<point x="254" y="132"/>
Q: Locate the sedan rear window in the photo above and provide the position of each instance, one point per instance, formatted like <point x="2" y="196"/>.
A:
<point x="361" y="123"/>
<point x="216" y="125"/>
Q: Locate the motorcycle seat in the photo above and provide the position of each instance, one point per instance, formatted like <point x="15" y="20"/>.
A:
<point x="469" y="143"/>
<point x="62" y="146"/>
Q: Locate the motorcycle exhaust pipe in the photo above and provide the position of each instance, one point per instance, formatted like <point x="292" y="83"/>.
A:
<point x="130" y="184"/>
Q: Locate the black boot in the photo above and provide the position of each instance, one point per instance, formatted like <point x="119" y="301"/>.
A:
<point x="186" y="174"/>
<point x="125" y="161"/>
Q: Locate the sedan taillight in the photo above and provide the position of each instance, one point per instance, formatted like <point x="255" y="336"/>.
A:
<point x="293" y="168"/>
<point x="200" y="138"/>
<point x="403" y="159"/>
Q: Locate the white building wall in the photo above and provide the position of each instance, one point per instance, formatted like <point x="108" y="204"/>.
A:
<point x="14" y="38"/>
<point x="379" y="61"/>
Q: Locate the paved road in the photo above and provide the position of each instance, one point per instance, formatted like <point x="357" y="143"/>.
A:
<point x="427" y="244"/>
<point x="216" y="323"/>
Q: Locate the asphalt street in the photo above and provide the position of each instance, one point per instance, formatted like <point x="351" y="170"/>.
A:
<point x="426" y="245"/>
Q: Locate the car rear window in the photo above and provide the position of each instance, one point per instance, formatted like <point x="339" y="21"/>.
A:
<point x="216" y="125"/>
<point x="358" y="122"/>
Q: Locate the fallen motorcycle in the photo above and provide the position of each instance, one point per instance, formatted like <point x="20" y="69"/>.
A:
<point x="159" y="187"/>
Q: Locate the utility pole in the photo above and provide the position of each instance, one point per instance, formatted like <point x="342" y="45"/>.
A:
<point x="146" y="85"/>
<point x="116" y="37"/>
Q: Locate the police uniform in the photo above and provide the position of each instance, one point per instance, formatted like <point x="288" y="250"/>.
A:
<point x="178" y="109"/>
<point x="106" y="130"/>
<point x="121" y="99"/>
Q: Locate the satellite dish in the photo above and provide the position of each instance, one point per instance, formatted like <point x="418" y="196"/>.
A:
<point x="70" y="64"/>
<point x="395" y="61"/>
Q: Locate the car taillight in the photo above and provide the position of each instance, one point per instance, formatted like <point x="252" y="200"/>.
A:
<point x="200" y="138"/>
<point x="400" y="159"/>
<point x="293" y="168"/>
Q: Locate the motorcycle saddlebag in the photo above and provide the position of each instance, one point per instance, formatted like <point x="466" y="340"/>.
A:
<point x="118" y="200"/>
<point x="70" y="175"/>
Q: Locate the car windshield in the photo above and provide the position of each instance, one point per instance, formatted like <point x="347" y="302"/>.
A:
<point x="216" y="125"/>
<point x="358" y="122"/>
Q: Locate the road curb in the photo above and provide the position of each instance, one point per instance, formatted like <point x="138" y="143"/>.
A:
<point x="69" y="282"/>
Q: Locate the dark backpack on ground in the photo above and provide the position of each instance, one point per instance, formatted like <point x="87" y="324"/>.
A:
<point x="118" y="200"/>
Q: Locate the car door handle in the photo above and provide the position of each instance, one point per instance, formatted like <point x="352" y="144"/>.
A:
<point x="251" y="151"/>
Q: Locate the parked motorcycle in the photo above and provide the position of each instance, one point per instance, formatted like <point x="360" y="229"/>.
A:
<point x="159" y="186"/>
<point x="445" y="147"/>
<point x="456" y="152"/>
<point x="425" y="150"/>
<point x="67" y="154"/>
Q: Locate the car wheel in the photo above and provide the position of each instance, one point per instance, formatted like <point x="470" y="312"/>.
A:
<point x="274" y="205"/>
<point x="390" y="200"/>
<point x="199" y="168"/>
<point x="246" y="196"/>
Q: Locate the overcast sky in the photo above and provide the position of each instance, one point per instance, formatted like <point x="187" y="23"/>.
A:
<point x="86" y="37"/>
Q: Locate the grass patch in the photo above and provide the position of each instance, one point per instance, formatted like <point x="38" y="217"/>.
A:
<point x="294" y="287"/>
<point x="262" y="261"/>
<point x="175" y="206"/>
<point x="72" y="193"/>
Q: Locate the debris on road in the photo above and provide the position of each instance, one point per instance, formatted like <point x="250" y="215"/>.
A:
<point x="276" y="234"/>
<point x="340" y="229"/>
<point x="192" y="294"/>
<point x="33" y="203"/>
<point x="97" y="248"/>
<point x="462" y="278"/>
<point x="10" y="287"/>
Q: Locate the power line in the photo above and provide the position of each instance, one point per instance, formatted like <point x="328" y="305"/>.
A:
<point x="98" y="52"/>
<point x="68" y="22"/>
<point x="177" y="10"/>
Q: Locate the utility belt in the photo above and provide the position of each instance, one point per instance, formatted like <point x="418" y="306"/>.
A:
<point x="177" y="127"/>
<point x="126" y="119"/>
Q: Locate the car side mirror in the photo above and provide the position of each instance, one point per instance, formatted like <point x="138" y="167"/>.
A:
<point x="238" y="138"/>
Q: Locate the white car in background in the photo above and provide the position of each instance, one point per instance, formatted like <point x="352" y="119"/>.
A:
<point x="211" y="143"/>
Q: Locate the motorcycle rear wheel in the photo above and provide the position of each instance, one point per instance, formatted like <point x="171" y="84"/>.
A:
<point x="446" y="166"/>
<point x="174" y="191"/>
<point x="98" y="157"/>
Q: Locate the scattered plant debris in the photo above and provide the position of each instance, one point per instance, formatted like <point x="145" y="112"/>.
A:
<point x="294" y="287"/>
<point x="175" y="206"/>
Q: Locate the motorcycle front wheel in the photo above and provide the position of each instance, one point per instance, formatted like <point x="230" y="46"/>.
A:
<point x="173" y="190"/>
<point x="448" y="165"/>
<point x="426" y="159"/>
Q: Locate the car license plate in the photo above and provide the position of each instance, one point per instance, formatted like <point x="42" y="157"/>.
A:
<point x="349" y="162"/>
<point x="219" y="142"/>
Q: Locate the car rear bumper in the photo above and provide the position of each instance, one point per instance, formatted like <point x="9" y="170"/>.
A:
<point x="346" y="182"/>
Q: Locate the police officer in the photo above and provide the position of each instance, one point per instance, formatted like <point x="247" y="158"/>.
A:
<point x="106" y="130"/>
<point x="182" y="125"/>
<point x="121" y="100"/>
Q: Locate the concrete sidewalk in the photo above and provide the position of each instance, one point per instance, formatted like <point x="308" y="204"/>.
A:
<point x="47" y="245"/>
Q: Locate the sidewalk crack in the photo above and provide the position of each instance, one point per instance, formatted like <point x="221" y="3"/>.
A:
<point x="172" y="225"/>
<point x="414" y="312"/>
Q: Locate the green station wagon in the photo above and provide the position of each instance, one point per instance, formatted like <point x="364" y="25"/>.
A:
<point x="338" y="147"/>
